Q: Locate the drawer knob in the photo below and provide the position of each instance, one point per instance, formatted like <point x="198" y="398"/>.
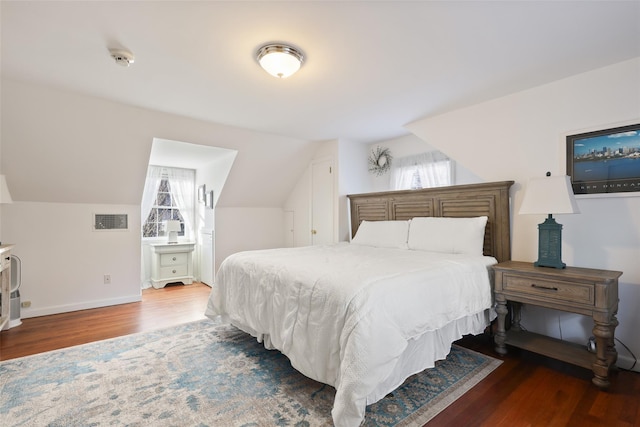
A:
<point x="548" y="288"/>
<point x="174" y="258"/>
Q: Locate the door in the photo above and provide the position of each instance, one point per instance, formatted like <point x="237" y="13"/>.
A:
<point x="322" y="202"/>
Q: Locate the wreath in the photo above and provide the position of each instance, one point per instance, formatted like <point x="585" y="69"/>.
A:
<point x="380" y="161"/>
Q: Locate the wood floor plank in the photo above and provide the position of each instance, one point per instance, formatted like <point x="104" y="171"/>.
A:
<point x="525" y="390"/>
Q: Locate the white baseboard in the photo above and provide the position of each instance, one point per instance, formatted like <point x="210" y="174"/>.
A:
<point x="26" y="313"/>
<point x="626" y="362"/>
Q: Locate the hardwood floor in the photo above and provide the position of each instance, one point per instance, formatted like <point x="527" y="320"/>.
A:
<point x="526" y="390"/>
<point x="159" y="308"/>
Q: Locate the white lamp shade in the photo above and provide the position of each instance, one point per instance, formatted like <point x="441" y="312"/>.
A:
<point x="5" y="196"/>
<point x="549" y="195"/>
<point x="171" y="225"/>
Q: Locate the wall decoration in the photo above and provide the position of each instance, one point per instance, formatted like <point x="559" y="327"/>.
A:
<point x="380" y="161"/>
<point x="209" y="201"/>
<point x="605" y="162"/>
<point x="201" y="193"/>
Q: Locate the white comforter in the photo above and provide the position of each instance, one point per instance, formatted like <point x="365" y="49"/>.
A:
<point x="344" y="314"/>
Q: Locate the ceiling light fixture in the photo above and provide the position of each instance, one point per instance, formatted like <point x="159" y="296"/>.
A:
<point x="122" y="57"/>
<point x="279" y="60"/>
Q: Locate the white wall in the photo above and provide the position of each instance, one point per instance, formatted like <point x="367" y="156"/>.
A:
<point x="523" y="135"/>
<point x="240" y="229"/>
<point x="352" y="179"/>
<point x="64" y="260"/>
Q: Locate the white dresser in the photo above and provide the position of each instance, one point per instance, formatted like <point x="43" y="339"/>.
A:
<point x="171" y="262"/>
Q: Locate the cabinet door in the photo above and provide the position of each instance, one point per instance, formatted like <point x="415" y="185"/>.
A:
<point x="322" y="202"/>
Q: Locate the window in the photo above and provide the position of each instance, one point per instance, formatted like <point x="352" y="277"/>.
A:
<point x="425" y="170"/>
<point x="163" y="209"/>
<point x="169" y="194"/>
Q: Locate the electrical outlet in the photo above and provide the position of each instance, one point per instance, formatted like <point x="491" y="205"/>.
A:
<point x="25" y="304"/>
<point x="107" y="279"/>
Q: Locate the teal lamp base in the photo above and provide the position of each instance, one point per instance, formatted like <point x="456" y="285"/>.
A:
<point x="550" y="244"/>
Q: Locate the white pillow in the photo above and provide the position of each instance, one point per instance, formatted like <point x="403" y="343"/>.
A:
<point x="448" y="235"/>
<point x="382" y="234"/>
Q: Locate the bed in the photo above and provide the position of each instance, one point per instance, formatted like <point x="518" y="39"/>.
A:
<point x="362" y="316"/>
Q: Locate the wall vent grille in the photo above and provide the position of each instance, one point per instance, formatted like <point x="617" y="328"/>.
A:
<point x="110" y="222"/>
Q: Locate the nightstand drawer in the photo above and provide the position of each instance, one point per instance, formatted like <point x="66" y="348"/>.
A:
<point x="173" y="259"/>
<point x="558" y="290"/>
<point x="176" y="271"/>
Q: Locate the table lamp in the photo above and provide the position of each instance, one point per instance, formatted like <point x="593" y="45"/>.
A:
<point x="549" y="195"/>
<point x="172" y="227"/>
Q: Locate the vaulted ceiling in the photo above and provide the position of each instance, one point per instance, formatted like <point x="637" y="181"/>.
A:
<point x="371" y="66"/>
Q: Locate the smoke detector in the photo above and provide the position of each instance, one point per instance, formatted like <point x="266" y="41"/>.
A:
<point x="122" y="57"/>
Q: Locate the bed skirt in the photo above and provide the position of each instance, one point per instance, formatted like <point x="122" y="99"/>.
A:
<point x="421" y="353"/>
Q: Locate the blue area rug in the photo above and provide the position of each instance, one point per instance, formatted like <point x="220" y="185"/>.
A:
<point x="204" y="374"/>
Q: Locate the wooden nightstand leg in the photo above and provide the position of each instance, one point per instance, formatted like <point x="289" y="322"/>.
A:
<point x="612" y="353"/>
<point x="516" y="306"/>
<point x="501" y="309"/>
<point x="603" y="332"/>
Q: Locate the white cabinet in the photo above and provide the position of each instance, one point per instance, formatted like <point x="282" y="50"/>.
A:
<point x="171" y="262"/>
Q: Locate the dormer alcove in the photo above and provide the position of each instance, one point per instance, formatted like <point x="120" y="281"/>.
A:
<point x="211" y="167"/>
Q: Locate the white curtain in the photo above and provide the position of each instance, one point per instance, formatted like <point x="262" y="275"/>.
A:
<point x="151" y="186"/>
<point x="434" y="168"/>
<point x="182" y="183"/>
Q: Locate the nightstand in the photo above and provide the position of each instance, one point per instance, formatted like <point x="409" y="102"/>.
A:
<point x="584" y="291"/>
<point x="171" y="262"/>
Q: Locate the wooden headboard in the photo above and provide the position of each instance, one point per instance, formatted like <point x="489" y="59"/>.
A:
<point x="461" y="201"/>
